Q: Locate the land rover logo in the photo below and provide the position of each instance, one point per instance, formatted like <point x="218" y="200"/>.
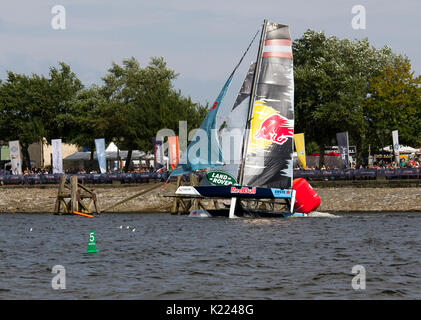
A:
<point x="220" y="178"/>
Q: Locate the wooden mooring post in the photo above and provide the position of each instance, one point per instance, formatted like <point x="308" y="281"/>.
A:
<point x="183" y="205"/>
<point x="179" y="205"/>
<point x="71" y="198"/>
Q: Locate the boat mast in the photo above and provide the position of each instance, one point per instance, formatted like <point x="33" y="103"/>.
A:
<point x="252" y="100"/>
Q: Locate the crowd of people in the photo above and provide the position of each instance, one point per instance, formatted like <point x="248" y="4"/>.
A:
<point x="80" y="170"/>
<point x="414" y="162"/>
<point x="411" y="162"/>
<point x="133" y="169"/>
<point x="37" y="170"/>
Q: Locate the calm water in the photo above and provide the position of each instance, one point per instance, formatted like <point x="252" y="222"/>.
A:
<point x="177" y="257"/>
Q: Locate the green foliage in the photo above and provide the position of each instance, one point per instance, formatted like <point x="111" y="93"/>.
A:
<point x="331" y="84"/>
<point x="63" y="87"/>
<point x="30" y="106"/>
<point x="83" y="117"/>
<point x="312" y="147"/>
<point x="141" y="101"/>
<point x="21" y="100"/>
<point x="394" y="103"/>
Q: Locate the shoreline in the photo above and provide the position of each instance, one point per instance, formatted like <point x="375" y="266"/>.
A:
<point x="337" y="197"/>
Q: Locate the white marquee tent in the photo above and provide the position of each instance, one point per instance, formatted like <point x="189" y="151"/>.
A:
<point x="402" y="149"/>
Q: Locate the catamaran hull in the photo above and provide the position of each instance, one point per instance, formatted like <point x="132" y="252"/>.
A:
<point x="236" y="191"/>
<point x="240" y="192"/>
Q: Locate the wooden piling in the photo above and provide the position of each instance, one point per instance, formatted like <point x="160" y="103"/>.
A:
<point x="59" y="200"/>
<point x="67" y="202"/>
<point x="176" y="202"/>
<point x="183" y="205"/>
<point x="74" y="194"/>
<point x="194" y="181"/>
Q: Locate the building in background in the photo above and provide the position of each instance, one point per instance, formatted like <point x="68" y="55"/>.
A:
<point x="40" y="153"/>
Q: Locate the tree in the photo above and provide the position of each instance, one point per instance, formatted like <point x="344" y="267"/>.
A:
<point x="21" y="117"/>
<point x="31" y="105"/>
<point x="331" y="83"/>
<point x="133" y="95"/>
<point x="394" y="103"/>
<point x="83" y="119"/>
<point x="141" y="101"/>
<point x="63" y="87"/>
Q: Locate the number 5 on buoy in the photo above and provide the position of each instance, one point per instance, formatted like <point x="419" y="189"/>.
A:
<point x="91" y="244"/>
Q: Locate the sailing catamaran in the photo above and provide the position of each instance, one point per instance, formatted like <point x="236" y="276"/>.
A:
<point x="263" y="118"/>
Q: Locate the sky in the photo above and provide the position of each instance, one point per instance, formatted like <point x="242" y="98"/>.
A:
<point x="201" y="40"/>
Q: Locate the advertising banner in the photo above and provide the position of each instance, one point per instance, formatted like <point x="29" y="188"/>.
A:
<point x="173" y="151"/>
<point x="343" y="147"/>
<point x="300" y="147"/>
<point x="57" y="156"/>
<point x="395" y="137"/>
<point x="158" y="152"/>
<point x="100" y="154"/>
<point x="15" y="159"/>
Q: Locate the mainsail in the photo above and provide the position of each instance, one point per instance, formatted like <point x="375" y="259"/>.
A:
<point x="268" y="146"/>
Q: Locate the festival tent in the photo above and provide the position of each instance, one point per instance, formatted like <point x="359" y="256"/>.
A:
<point x="332" y="160"/>
<point x="330" y="154"/>
<point x="110" y="155"/>
<point x="402" y="149"/>
<point x="112" y="147"/>
<point x="81" y="159"/>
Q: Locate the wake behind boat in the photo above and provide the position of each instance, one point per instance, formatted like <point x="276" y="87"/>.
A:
<point x="260" y="168"/>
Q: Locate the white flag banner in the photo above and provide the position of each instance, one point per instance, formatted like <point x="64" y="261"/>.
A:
<point x="100" y="154"/>
<point x="14" y="148"/>
<point x="343" y="147"/>
<point x="57" y="157"/>
<point x="395" y="138"/>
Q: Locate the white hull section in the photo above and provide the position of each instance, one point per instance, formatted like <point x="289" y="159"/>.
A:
<point x="200" y="214"/>
<point x="187" y="191"/>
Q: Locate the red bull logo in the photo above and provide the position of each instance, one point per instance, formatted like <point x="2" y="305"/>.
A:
<point x="243" y="190"/>
<point x="275" y="128"/>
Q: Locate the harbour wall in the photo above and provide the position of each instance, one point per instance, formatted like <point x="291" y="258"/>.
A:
<point x="337" y="196"/>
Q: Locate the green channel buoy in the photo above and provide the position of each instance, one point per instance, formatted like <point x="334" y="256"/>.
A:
<point x="91" y="244"/>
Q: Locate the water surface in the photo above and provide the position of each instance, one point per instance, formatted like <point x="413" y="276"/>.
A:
<point x="177" y="257"/>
